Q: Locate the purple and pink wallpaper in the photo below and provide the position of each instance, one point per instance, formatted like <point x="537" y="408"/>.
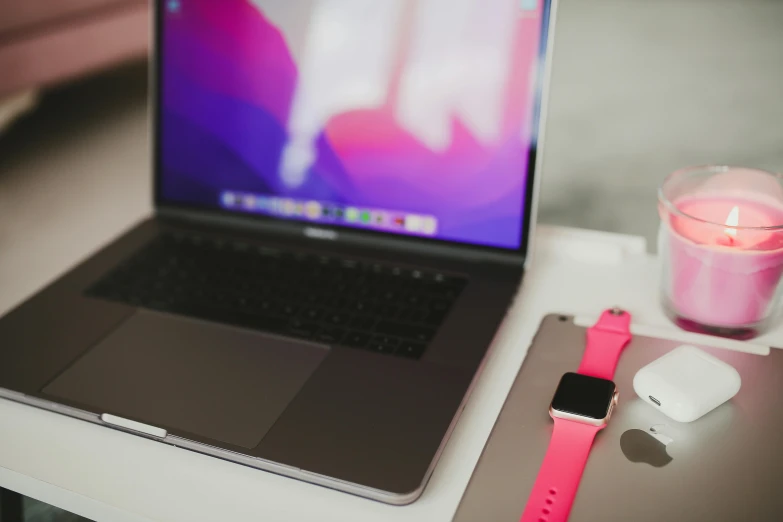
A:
<point x="425" y="107"/>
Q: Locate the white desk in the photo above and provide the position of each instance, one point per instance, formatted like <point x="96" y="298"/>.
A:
<point x="107" y="475"/>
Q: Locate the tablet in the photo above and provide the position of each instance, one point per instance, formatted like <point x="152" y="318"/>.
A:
<point x="644" y="466"/>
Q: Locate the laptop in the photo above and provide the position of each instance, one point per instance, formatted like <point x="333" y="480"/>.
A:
<point x="643" y="466"/>
<point x="344" y="204"/>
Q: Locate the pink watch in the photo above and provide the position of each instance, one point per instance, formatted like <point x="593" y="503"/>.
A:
<point x="581" y="407"/>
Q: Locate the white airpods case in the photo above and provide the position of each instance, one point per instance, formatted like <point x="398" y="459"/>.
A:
<point x="686" y="383"/>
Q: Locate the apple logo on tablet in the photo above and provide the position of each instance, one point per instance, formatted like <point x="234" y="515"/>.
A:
<point x="646" y="446"/>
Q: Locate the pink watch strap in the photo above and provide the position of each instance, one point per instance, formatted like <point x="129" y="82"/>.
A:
<point x="605" y="342"/>
<point x="558" y="479"/>
<point x="555" y="488"/>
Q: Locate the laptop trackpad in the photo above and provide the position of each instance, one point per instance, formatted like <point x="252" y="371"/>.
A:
<point x="214" y="381"/>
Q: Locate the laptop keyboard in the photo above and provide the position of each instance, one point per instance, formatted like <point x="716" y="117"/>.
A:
<point x="338" y="301"/>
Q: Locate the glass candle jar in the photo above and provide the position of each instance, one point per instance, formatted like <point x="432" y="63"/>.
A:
<point x="720" y="244"/>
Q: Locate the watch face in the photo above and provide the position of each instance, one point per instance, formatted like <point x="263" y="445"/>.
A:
<point x="583" y="395"/>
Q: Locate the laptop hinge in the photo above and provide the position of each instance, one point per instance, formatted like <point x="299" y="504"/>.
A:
<point x="312" y="235"/>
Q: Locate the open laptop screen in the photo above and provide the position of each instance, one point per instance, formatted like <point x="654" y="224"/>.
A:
<point x="412" y="117"/>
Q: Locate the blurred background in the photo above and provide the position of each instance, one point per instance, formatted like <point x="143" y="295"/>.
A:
<point x="639" y="89"/>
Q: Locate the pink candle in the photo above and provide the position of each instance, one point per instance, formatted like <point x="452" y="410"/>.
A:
<point x="723" y="275"/>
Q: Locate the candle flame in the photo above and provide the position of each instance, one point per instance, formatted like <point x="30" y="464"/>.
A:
<point x="731" y="222"/>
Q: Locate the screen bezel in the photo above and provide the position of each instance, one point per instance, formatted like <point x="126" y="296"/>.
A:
<point x="531" y="174"/>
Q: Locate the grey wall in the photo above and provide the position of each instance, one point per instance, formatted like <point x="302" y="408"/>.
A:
<point x="642" y="87"/>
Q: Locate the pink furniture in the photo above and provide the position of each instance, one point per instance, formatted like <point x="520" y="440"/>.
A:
<point x="44" y="42"/>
